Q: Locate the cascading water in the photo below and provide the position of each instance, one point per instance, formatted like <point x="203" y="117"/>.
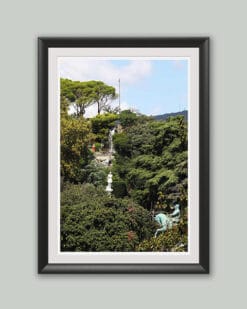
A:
<point x="111" y="150"/>
<point x="111" y="133"/>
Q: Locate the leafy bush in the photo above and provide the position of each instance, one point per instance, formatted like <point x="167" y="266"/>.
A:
<point x="170" y="241"/>
<point x="127" y="118"/>
<point x="97" y="146"/>
<point x="101" y="223"/>
<point x="122" y="144"/>
<point x="96" y="174"/>
<point x="75" y="154"/>
<point x="151" y="157"/>
<point x="74" y="194"/>
<point x="101" y="125"/>
<point x="119" y="187"/>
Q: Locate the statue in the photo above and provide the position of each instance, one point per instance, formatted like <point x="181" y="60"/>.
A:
<point x="109" y="182"/>
<point x="166" y="221"/>
<point x="176" y="214"/>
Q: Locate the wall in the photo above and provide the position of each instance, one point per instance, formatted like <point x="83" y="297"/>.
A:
<point x="21" y="23"/>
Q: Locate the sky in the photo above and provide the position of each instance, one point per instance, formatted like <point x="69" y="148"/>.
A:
<point x="153" y="87"/>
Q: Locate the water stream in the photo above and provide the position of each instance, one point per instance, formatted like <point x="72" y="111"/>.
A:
<point x="111" y="151"/>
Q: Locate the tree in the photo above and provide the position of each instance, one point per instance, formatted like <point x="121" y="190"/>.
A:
<point x="101" y="94"/>
<point x="84" y="94"/>
<point x="172" y="240"/>
<point x="64" y="107"/>
<point x="122" y="144"/>
<point x="78" y="94"/>
<point x="127" y="118"/>
<point x="97" y="222"/>
<point x="151" y="160"/>
<point x="75" y="154"/>
<point x="102" y="124"/>
<point x="82" y="100"/>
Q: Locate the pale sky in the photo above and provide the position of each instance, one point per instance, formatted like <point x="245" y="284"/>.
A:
<point x="153" y="87"/>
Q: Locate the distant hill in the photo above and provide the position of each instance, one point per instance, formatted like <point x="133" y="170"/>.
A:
<point x="165" y="116"/>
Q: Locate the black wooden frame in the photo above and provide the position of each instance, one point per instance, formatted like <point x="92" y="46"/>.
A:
<point x="44" y="43"/>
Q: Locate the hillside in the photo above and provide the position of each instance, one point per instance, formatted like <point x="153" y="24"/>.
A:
<point x="165" y="116"/>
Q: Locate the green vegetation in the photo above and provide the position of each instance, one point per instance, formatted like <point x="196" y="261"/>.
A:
<point x="84" y="94"/>
<point x="149" y="174"/>
<point x="175" y="239"/>
<point x="75" y="154"/>
<point x="101" y="124"/>
<point x="151" y="160"/>
<point x="93" y="221"/>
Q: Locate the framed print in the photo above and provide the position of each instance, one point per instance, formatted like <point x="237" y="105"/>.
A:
<point x="123" y="166"/>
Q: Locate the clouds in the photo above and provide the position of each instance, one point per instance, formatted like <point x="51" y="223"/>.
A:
<point x="108" y="71"/>
<point x="152" y="86"/>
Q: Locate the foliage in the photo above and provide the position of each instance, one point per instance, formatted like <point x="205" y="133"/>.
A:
<point x="102" y="94"/>
<point x="96" y="174"/>
<point x="84" y="94"/>
<point x="75" y="154"/>
<point x="122" y="144"/>
<point x="149" y="170"/>
<point x="74" y="194"/>
<point x="97" y="146"/>
<point x="64" y="107"/>
<point x="127" y="118"/>
<point x="101" y="125"/>
<point x="151" y="160"/>
<point x="172" y="240"/>
<point x="77" y="93"/>
<point x="119" y="187"/>
<point x="101" y="223"/>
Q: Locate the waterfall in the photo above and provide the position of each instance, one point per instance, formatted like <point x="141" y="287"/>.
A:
<point x="110" y="152"/>
<point x="111" y="133"/>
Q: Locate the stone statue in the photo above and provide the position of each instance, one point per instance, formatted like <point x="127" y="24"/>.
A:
<point x="109" y="182"/>
<point x="165" y="221"/>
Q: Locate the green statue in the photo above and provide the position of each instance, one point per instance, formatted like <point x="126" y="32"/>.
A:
<point x="166" y="221"/>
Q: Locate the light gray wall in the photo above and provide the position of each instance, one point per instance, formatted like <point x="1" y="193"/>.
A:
<point x="21" y="23"/>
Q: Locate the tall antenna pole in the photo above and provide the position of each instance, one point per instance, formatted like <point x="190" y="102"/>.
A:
<point x="119" y="95"/>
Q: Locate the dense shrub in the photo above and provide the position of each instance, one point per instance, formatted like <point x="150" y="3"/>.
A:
<point x="96" y="174"/>
<point x="101" y="125"/>
<point x="127" y="118"/>
<point x="74" y="194"/>
<point x="75" y="155"/>
<point x="122" y="144"/>
<point x="151" y="160"/>
<point x="172" y="240"/>
<point x="119" y="187"/>
<point x="101" y="223"/>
